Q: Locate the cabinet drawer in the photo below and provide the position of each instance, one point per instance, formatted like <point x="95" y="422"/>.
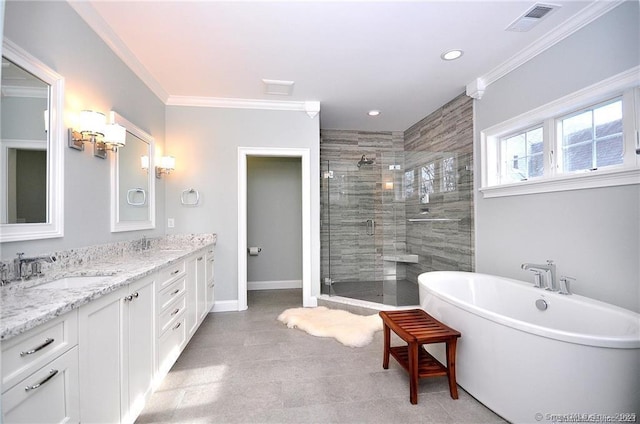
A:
<point x="171" y="293"/>
<point x="49" y="395"/>
<point x="169" y="274"/>
<point x="172" y="314"/>
<point x="171" y="343"/>
<point x="24" y="354"/>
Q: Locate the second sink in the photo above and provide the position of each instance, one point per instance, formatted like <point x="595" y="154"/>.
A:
<point x="71" y="282"/>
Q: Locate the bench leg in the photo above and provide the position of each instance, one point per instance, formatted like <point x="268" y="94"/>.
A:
<point x="451" y="367"/>
<point x="387" y="341"/>
<point x="413" y="372"/>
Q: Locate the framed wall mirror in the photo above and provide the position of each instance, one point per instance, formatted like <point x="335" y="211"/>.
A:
<point x="133" y="180"/>
<point x="31" y="140"/>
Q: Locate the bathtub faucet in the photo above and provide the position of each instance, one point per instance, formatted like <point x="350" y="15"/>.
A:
<point x="549" y="271"/>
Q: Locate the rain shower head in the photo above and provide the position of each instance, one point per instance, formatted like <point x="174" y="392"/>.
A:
<point x="364" y="161"/>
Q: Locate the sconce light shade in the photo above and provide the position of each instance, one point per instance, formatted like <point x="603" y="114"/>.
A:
<point x="144" y="162"/>
<point x="115" y="135"/>
<point x="167" y="164"/>
<point x="92" y="123"/>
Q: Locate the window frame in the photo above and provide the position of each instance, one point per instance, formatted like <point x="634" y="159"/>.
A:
<point x="625" y="85"/>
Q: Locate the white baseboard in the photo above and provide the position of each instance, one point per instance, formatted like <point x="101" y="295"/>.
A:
<point x="225" y="306"/>
<point x="269" y="285"/>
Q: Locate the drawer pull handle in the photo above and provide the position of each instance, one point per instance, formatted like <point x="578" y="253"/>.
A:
<point x="52" y="374"/>
<point x="177" y="326"/>
<point x="175" y="312"/>
<point x="46" y="343"/>
<point x="200" y="258"/>
<point x="175" y="272"/>
<point x="176" y="291"/>
<point x="211" y="285"/>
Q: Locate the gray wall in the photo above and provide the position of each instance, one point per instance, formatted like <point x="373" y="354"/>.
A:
<point x="274" y="219"/>
<point x="205" y="143"/>
<point x="594" y="234"/>
<point x="95" y="78"/>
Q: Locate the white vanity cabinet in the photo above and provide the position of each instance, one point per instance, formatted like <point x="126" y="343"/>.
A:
<point x="210" y="280"/>
<point x="171" y="309"/>
<point x="40" y="374"/>
<point x="196" y="292"/>
<point x="116" y="361"/>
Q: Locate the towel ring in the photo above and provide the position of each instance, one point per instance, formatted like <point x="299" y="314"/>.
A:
<point x="131" y="193"/>
<point x="184" y="197"/>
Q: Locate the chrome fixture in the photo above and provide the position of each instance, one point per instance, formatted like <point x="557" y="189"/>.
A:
<point x="167" y="164"/>
<point x="549" y="272"/>
<point x="564" y="285"/>
<point x="21" y="265"/>
<point x="371" y="227"/>
<point x="364" y="161"/>
<point x="93" y="127"/>
<point x="142" y="244"/>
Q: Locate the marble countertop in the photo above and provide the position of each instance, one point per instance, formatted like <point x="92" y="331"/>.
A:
<point x="25" y="305"/>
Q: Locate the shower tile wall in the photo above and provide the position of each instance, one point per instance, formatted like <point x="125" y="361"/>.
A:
<point x="356" y="195"/>
<point x="445" y="136"/>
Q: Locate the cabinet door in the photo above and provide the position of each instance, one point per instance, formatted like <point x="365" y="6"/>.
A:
<point x="192" y="296"/>
<point x="210" y="280"/>
<point x="201" y="287"/>
<point x="99" y="324"/>
<point x="49" y="395"/>
<point x="139" y="339"/>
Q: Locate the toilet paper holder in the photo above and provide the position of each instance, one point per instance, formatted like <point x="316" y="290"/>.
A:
<point x="253" y="251"/>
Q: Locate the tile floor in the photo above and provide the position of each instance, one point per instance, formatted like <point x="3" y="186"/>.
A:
<point x="246" y="367"/>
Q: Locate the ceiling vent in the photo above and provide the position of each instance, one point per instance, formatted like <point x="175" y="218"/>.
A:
<point x="532" y="17"/>
<point x="277" y="87"/>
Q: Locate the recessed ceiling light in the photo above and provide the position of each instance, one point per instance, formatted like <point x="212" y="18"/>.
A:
<point x="451" y="54"/>
<point x="373" y="113"/>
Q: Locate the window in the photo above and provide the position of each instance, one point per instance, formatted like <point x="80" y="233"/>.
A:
<point x="586" y="139"/>
<point x="426" y="186"/>
<point x="449" y="174"/>
<point x="522" y="155"/>
<point x="592" y="138"/>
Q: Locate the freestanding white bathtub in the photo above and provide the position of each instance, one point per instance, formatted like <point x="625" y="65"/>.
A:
<point x="576" y="361"/>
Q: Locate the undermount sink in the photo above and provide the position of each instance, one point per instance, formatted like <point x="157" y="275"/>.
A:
<point x="71" y="282"/>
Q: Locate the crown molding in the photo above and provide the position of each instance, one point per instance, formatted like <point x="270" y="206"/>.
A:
<point x="584" y="17"/>
<point x="88" y="13"/>
<point x="310" y="107"/>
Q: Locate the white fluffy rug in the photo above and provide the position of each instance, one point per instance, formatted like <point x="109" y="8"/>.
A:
<point x="349" y="329"/>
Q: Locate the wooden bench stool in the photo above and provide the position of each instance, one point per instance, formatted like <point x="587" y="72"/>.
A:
<point x="417" y="328"/>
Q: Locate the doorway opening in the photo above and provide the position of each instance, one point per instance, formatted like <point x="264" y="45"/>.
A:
<point x="245" y="155"/>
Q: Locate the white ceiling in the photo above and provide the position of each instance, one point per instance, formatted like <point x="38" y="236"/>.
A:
<point x="351" y="56"/>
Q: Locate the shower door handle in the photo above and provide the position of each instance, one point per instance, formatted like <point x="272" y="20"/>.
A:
<point x="371" y="227"/>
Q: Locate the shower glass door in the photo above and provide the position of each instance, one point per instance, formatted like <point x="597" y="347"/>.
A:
<point x="352" y="223"/>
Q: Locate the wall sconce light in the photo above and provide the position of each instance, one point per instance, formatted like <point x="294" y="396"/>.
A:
<point x="114" y="136"/>
<point x="167" y="164"/>
<point x="144" y="162"/>
<point x="91" y="126"/>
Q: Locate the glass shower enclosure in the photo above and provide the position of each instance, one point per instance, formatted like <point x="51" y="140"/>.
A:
<point x="386" y="217"/>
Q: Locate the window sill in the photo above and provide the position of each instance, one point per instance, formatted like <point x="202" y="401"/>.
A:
<point x="565" y="183"/>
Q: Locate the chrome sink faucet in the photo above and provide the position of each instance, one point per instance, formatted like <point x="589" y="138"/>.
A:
<point x="21" y="265"/>
<point x="548" y="270"/>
